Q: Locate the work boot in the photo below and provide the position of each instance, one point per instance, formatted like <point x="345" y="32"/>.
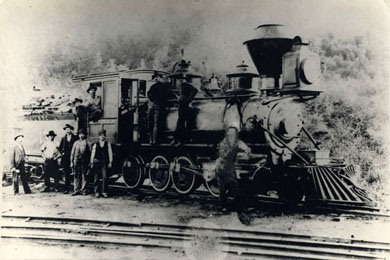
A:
<point x="75" y="193"/>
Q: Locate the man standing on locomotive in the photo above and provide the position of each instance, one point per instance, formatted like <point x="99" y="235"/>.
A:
<point x="65" y="148"/>
<point x="159" y="95"/>
<point x="187" y="94"/>
<point x="79" y="160"/>
<point x="101" y="160"/>
<point x="93" y="104"/>
<point x="18" y="155"/>
<point x="50" y="154"/>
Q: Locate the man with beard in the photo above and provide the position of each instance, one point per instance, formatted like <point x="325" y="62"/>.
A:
<point x="65" y="148"/>
<point x="79" y="160"/>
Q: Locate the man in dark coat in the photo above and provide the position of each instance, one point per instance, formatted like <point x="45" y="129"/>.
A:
<point x="101" y="160"/>
<point x="65" y="148"/>
<point x="17" y="160"/>
<point x="187" y="94"/>
<point x="159" y="94"/>
<point x="80" y="114"/>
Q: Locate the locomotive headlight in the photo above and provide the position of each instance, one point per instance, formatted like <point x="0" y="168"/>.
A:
<point x="310" y="69"/>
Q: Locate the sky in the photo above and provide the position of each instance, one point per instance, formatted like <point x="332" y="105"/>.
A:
<point x="31" y="28"/>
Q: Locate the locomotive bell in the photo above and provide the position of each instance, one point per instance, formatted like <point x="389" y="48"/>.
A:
<point x="242" y="78"/>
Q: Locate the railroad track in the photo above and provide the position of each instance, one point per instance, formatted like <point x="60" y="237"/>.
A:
<point x="270" y="203"/>
<point x="185" y="239"/>
<point x="273" y="203"/>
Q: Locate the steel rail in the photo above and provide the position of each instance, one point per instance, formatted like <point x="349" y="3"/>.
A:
<point x="244" y="243"/>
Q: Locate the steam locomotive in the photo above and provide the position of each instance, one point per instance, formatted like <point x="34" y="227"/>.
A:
<point x="266" y="107"/>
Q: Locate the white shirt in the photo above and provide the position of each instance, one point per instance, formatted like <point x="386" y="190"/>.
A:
<point x="49" y="149"/>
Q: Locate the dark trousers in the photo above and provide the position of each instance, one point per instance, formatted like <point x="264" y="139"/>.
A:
<point x="100" y="179"/>
<point x="156" y="122"/>
<point x="67" y="170"/>
<point x="229" y="186"/>
<point x="80" y="177"/>
<point x="23" y="178"/>
<point x="51" y="170"/>
<point x="182" y="121"/>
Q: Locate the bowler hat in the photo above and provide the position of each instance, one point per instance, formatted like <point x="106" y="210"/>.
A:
<point x="17" y="136"/>
<point x="91" y="87"/>
<point x="77" y="100"/>
<point x="51" y="133"/>
<point x="102" y="132"/>
<point x="68" y="126"/>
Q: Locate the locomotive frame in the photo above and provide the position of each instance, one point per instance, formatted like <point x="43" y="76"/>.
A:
<point x="286" y="70"/>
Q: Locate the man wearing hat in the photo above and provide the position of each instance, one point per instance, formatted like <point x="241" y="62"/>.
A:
<point x="17" y="165"/>
<point x="93" y="104"/>
<point x="101" y="160"/>
<point x="159" y="94"/>
<point x="65" y="148"/>
<point x="79" y="159"/>
<point x="80" y="114"/>
<point x="187" y="94"/>
<point x="50" y="154"/>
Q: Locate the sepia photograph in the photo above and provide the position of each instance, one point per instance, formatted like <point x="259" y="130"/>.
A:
<point x="197" y="129"/>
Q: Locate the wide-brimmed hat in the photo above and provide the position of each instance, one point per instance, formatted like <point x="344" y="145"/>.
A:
<point x="156" y="75"/>
<point x="91" y="87"/>
<point x="17" y="136"/>
<point x="51" y="133"/>
<point x="68" y="126"/>
<point x="77" y="100"/>
<point x="102" y="132"/>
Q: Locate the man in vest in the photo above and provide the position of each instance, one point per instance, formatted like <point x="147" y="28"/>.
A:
<point x="79" y="160"/>
<point x="101" y="160"/>
<point x="18" y="155"/>
<point x="50" y="154"/>
<point x="65" y="148"/>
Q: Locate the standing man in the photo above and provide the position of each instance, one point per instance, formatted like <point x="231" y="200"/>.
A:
<point x="50" y="154"/>
<point x="187" y="94"/>
<point x="93" y="104"/>
<point x="159" y="95"/>
<point x="101" y="160"/>
<point x="17" y="165"/>
<point x="79" y="160"/>
<point x="65" y="148"/>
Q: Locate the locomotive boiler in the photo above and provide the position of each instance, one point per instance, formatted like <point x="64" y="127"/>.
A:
<point x="265" y="106"/>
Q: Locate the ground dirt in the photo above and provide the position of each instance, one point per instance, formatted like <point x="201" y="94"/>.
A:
<point x="155" y="208"/>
